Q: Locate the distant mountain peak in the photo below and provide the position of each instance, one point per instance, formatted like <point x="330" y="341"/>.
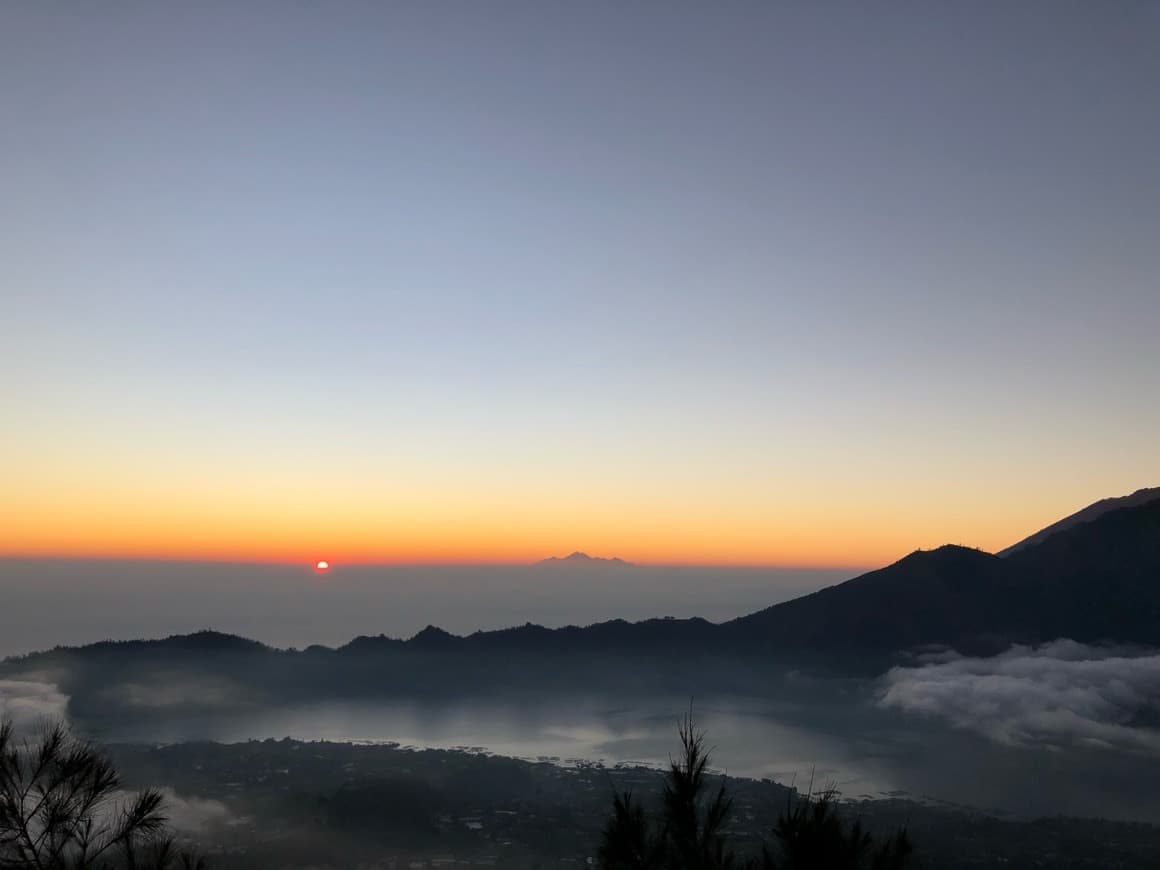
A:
<point x="580" y="558"/>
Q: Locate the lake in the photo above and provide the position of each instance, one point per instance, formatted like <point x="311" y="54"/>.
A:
<point x="838" y="736"/>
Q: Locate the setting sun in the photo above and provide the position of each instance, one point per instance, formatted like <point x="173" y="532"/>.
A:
<point x="322" y="566"/>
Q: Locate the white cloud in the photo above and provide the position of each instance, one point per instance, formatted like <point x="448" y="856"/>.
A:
<point x="190" y="815"/>
<point x="193" y="814"/>
<point x="28" y="703"/>
<point x="1060" y="694"/>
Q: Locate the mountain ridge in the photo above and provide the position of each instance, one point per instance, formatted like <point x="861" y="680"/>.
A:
<point x="1085" y="515"/>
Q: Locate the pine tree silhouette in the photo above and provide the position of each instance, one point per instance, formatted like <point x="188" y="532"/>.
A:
<point x="688" y="832"/>
<point x="62" y="808"/>
<point x="812" y="836"/>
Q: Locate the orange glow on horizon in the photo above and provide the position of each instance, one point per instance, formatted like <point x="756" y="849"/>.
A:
<point x="280" y="520"/>
<point x="466" y="551"/>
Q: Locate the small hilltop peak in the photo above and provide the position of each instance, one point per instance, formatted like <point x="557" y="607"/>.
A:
<point x="579" y="558"/>
<point x="434" y="637"/>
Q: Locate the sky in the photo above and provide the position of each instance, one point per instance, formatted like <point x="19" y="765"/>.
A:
<point x="756" y="284"/>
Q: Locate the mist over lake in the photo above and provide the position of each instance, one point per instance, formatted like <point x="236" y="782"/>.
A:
<point x="827" y="733"/>
<point x="71" y="602"/>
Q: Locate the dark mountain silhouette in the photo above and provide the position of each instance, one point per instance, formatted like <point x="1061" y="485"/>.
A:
<point x="199" y="643"/>
<point x="1097" y="580"/>
<point x="1089" y="513"/>
<point x="613" y="636"/>
<point x="583" y="559"/>
<point x="941" y="596"/>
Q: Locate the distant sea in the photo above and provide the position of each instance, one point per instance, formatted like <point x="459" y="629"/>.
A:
<point x="49" y="602"/>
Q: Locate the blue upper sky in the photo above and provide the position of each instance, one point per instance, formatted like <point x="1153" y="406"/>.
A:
<point x="761" y="254"/>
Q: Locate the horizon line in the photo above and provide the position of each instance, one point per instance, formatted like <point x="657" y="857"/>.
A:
<point x="339" y="564"/>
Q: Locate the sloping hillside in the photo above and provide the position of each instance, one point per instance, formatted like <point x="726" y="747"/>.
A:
<point x="1089" y="513"/>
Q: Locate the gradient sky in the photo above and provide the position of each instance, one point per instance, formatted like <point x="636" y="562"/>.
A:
<point x="764" y="283"/>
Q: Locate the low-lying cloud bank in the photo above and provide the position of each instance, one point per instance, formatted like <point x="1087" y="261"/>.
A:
<point x="28" y="703"/>
<point x="1056" y="695"/>
<point x="190" y="815"/>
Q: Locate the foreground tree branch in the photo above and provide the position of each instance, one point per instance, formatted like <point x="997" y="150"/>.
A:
<point x="63" y="807"/>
